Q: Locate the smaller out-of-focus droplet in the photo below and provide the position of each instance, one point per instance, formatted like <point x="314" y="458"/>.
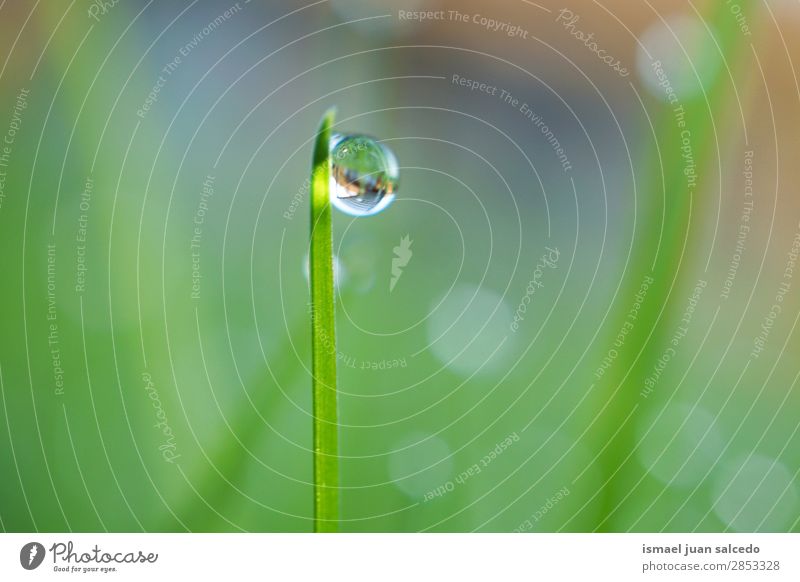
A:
<point x="359" y="258"/>
<point x="420" y="463"/>
<point x="755" y="493"/>
<point x="468" y="331"/>
<point x="364" y="175"/>
<point x="678" y="58"/>
<point x="678" y="443"/>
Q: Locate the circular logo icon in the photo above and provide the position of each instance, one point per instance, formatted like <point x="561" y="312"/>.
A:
<point x="31" y="555"/>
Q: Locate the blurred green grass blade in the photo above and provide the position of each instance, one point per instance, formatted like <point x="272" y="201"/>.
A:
<point x="624" y="380"/>
<point x="323" y="337"/>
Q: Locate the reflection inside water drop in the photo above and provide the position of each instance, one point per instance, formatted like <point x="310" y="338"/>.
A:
<point x="364" y="175"/>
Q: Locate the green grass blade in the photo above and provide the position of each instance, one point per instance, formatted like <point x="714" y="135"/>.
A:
<point x="323" y="337"/>
<point x="646" y="340"/>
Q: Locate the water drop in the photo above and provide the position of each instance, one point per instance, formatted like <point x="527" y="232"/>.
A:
<point x="467" y="331"/>
<point x="678" y="443"/>
<point x="756" y="493"/>
<point x="420" y="463"/>
<point x="359" y="258"/>
<point x="686" y="53"/>
<point x="364" y="175"/>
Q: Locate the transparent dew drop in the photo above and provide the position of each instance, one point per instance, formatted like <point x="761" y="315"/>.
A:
<point x="359" y="259"/>
<point x="419" y="463"/>
<point x="364" y="175"/>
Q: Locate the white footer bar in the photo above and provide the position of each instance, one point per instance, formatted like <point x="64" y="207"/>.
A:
<point x="379" y="557"/>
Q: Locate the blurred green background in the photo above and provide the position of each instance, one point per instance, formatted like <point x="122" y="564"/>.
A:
<point x="596" y="330"/>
